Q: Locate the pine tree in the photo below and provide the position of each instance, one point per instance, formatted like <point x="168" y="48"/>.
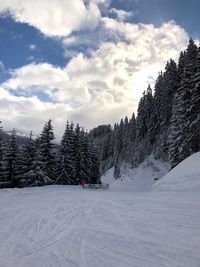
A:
<point x="117" y="169"/>
<point x="179" y="138"/>
<point x="66" y="163"/>
<point x="1" y="157"/>
<point x="194" y="127"/>
<point x="118" y="146"/>
<point x="143" y="124"/>
<point x="26" y="162"/>
<point x="95" y="166"/>
<point x="47" y="150"/>
<point x="11" y="159"/>
<point x="29" y="153"/>
<point x="132" y="137"/>
<point x="141" y="119"/>
<point x="125" y="153"/>
<point x="86" y="158"/>
<point x="78" y="174"/>
<point x="170" y="86"/>
<point x="157" y="107"/>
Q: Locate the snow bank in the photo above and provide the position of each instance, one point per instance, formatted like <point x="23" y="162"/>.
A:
<point x="138" y="179"/>
<point x="108" y="177"/>
<point x="184" y="177"/>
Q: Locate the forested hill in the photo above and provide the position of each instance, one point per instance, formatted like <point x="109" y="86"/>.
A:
<point x="167" y="125"/>
<point x="167" y="122"/>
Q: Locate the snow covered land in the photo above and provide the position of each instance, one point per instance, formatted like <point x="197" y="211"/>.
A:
<point x="137" y="222"/>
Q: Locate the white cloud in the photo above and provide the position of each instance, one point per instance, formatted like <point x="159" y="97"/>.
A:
<point x="32" y="46"/>
<point x="169" y="38"/>
<point x="105" y="86"/>
<point x="121" y="15"/>
<point x="54" y="17"/>
<point x="70" y="40"/>
<point x="30" y="113"/>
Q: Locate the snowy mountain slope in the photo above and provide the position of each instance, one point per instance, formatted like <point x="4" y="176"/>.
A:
<point x="184" y="177"/>
<point x="67" y="226"/>
<point x="138" y="179"/>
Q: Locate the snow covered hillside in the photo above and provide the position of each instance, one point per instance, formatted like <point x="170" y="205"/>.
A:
<point x="186" y="176"/>
<point x="67" y="226"/>
<point x="138" y="179"/>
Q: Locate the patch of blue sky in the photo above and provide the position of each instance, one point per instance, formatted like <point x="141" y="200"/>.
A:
<point x="15" y="41"/>
<point x="41" y="95"/>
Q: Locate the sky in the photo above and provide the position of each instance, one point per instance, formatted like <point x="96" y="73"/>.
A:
<point x="85" y="60"/>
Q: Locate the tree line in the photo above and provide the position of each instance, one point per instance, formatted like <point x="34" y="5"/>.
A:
<point x="41" y="162"/>
<point x="167" y="122"/>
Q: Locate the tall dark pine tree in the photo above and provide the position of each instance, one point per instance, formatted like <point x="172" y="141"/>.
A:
<point x="143" y="122"/>
<point x="165" y="89"/>
<point x="47" y="150"/>
<point x="11" y="166"/>
<point x="170" y="86"/>
<point x="78" y="174"/>
<point x="26" y="162"/>
<point x="194" y="127"/>
<point x="66" y="164"/>
<point x="156" y="118"/>
<point x="1" y="156"/>
<point x="86" y="158"/>
<point x="179" y="138"/>
<point x="125" y="152"/>
<point x="118" y="147"/>
<point x="132" y="137"/>
<point x="149" y="102"/>
<point x="29" y="153"/>
<point x="95" y="165"/>
<point x="36" y="176"/>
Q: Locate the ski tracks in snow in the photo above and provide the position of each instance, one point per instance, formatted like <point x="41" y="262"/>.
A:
<point x="69" y="227"/>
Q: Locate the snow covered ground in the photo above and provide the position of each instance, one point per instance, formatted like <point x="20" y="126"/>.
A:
<point x="184" y="177"/>
<point x="56" y="226"/>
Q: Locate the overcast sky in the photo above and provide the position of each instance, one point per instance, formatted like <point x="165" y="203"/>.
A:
<point x="85" y="60"/>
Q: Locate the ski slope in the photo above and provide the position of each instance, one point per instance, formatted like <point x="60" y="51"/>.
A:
<point x="57" y="226"/>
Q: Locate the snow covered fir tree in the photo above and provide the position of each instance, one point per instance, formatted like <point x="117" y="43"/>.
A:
<point x="41" y="161"/>
<point x="167" y="125"/>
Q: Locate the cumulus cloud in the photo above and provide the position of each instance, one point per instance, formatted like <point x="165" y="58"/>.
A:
<point x="107" y="84"/>
<point x="54" y="17"/>
<point x="30" y="113"/>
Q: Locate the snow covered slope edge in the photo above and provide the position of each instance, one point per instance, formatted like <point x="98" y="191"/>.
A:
<point x="184" y="177"/>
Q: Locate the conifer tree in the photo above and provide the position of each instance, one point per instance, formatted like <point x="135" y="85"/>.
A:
<point x="126" y="137"/>
<point x="170" y="86"/>
<point x="132" y="138"/>
<point x="47" y="150"/>
<point x="194" y="117"/>
<point x="11" y="159"/>
<point x="1" y="156"/>
<point x="179" y="138"/>
<point x="78" y="174"/>
<point x="95" y="165"/>
<point x="86" y="158"/>
<point x="66" y="163"/>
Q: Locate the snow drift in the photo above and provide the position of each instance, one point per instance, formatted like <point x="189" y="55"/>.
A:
<point x="138" y="179"/>
<point x="184" y="177"/>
